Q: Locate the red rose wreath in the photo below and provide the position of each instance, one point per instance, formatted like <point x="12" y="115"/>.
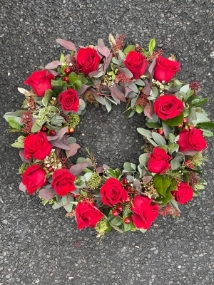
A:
<point x="100" y="197"/>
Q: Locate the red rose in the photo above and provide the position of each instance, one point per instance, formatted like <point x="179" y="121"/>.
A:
<point x="136" y="63"/>
<point x="69" y="100"/>
<point x="87" y="60"/>
<point x="191" y="140"/>
<point x="40" y="81"/>
<point x="63" y="182"/>
<point x="183" y="194"/>
<point x="33" y="178"/>
<point x="37" y="146"/>
<point x="87" y="215"/>
<point x="165" y="69"/>
<point x="112" y="192"/>
<point x="168" y="107"/>
<point x="158" y="161"/>
<point x="144" y="212"/>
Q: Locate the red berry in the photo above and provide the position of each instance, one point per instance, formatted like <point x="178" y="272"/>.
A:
<point x="115" y="213"/>
<point x="128" y="188"/>
<point x="52" y="132"/>
<point x="127" y="220"/>
<point x="120" y="208"/>
<point x="44" y="129"/>
<point x="65" y="78"/>
<point x="185" y="120"/>
<point x="67" y="70"/>
<point x="125" y="181"/>
<point x="128" y="199"/>
<point x="160" y="131"/>
<point x="50" y="169"/>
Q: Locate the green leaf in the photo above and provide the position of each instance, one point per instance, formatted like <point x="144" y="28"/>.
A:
<point x="139" y="82"/>
<point x="68" y="207"/>
<point x="47" y="97"/>
<point x="13" y="124"/>
<point x="58" y="85"/>
<point x="139" y="109"/>
<point x="158" y="138"/>
<point x="62" y="58"/>
<point x="152" y="45"/>
<point x="185" y="88"/>
<point x="207" y="133"/>
<point x="161" y="184"/>
<point x="117" y="221"/>
<point x="19" y="143"/>
<point x="166" y="130"/>
<point x="82" y="78"/>
<point x="143" y="158"/>
<point x="165" y="199"/>
<point x="173" y="147"/>
<point x="77" y="85"/>
<point x="72" y="77"/>
<point x="128" y="49"/>
<point x="129" y="166"/>
<point x="198" y="102"/>
<point x="35" y="128"/>
<point x="144" y="132"/>
<point x="108" y="104"/>
<point x="153" y="125"/>
<point x="175" y="121"/>
<point x="205" y="125"/>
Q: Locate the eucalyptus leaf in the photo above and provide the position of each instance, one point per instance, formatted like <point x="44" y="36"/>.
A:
<point x="144" y="132"/>
<point x="158" y="138"/>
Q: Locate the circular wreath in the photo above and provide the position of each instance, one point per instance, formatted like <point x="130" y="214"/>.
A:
<point x="168" y="173"/>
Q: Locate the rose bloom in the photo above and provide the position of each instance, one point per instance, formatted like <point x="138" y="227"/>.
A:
<point x="33" y="178"/>
<point x="63" y="182"/>
<point x="168" y="107"/>
<point x="183" y="194"/>
<point x="37" y="146"/>
<point x="144" y="212"/>
<point x="112" y="192"/>
<point x="158" y="161"/>
<point x="69" y="100"/>
<point x="165" y="69"/>
<point x="136" y="63"/>
<point x="191" y="140"/>
<point x="87" y="215"/>
<point x="87" y="60"/>
<point x="40" y="81"/>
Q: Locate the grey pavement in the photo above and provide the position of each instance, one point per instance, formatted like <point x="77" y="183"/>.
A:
<point x="41" y="246"/>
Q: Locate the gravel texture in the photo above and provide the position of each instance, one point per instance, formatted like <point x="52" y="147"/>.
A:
<point x="41" y="246"/>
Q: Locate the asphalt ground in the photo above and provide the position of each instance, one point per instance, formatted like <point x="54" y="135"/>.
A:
<point x="41" y="246"/>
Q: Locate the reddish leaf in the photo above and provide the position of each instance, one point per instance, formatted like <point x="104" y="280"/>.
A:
<point x="47" y="193"/>
<point x="115" y="92"/>
<point x="147" y="88"/>
<point x="22" y="187"/>
<point x="78" y="168"/>
<point x="66" y="44"/>
<point x="152" y="66"/>
<point x="107" y="62"/>
<point x="125" y="71"/>
<point x="102" y="48"/>
<point x="73" y="149"/>
<point x="83" y="89"/>
<point x="52" y="65"/>
<point x="100" y="169"/>
<point x="148" y="110"/>
<point x="147" y="179"/>
<point x="61" y="132"/>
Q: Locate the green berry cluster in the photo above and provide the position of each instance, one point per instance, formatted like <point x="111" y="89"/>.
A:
<point x="73" y="120"/>
<point x="94" y="181"/>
